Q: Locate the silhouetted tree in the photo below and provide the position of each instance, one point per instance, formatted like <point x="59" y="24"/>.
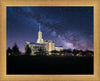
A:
<point x="9" y="51"/>
<point x="68" y="50"/>
<point x="75" y="51"/>
<point x="15" y="50"/>
<point x="54" y="51"/>
<point x="42" y="51"/>
<point x="28" y="50"/>
<point x="88" y="53"/>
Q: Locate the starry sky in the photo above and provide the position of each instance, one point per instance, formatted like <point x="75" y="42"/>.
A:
<point x="70" y="27"/>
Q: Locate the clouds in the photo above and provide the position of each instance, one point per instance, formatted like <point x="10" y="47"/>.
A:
<point x="73" y="40"/>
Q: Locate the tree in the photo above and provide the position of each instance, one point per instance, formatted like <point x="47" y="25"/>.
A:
<point x="9" y="51"/>
<point x="88" y="53"/>
<point x="54" y="52"/>
<point x="28" y="50"/>
<point x="75" y="51"/>
<point x="42" y="51"/>
<point x="15" y="50"/>
<point x="66" y="51"/>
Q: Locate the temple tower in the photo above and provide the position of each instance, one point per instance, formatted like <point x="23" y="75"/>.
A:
<point x="40" y="39"/>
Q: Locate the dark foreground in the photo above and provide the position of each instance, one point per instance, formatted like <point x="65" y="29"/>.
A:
<point x="49" y="65"/>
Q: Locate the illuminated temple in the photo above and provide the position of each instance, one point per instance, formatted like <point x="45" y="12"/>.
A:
<point x="48" y="45"/>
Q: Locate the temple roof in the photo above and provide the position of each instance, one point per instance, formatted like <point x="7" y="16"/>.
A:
<point x="36" y="43"/>
<point x="58" y="46"/>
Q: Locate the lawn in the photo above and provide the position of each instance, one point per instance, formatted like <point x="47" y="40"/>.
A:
<point x="49" y="65"/>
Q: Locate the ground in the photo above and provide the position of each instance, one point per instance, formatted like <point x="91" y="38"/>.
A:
<point x="49" y="65"/>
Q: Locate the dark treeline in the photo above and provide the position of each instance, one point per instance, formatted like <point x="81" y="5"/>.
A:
<point x="73" y="52"/>
<point x="15" y="51"/>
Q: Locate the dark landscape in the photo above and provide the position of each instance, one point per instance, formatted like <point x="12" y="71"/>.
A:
<point x="49" y="65"/>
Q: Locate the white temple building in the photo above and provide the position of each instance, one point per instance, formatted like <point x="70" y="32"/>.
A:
<point x="47" y="45"/>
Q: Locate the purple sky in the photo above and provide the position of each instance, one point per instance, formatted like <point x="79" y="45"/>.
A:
<point x="70" y="27"/>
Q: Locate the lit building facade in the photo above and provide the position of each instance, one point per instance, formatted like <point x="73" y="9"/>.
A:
<point x="47" y="45"/>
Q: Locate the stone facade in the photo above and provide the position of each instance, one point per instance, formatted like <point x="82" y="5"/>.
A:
<point x="48" y="45"/>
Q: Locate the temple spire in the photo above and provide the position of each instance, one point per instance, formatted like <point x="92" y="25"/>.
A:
<point x="39" y="27"/>
<point x="40" y="39"/>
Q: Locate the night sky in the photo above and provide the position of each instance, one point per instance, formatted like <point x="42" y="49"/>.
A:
<point x="70" y="27"/>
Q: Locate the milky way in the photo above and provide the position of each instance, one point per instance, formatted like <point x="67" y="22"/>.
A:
<point x="70" y="27"/>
